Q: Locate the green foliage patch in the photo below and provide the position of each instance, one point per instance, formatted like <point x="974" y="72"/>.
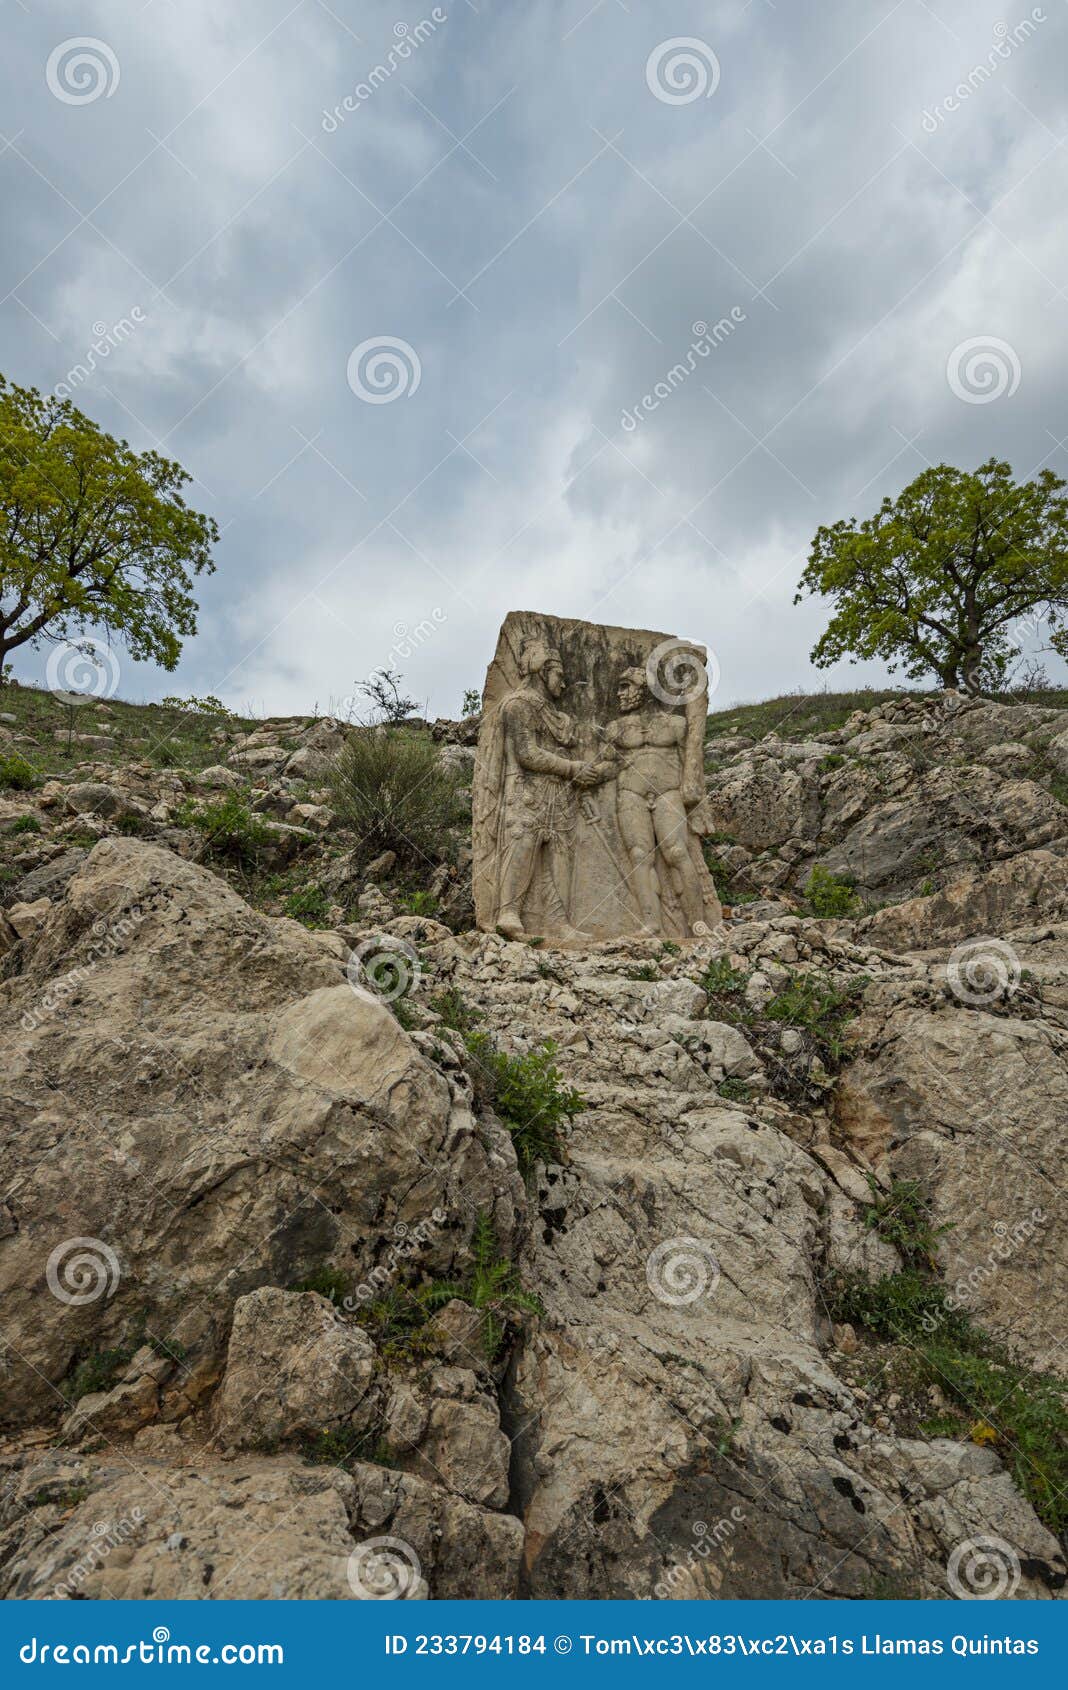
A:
<point x="528" y="1094"/>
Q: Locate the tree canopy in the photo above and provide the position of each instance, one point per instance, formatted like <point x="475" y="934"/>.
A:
<point x="92" y="533"/>
<point x="948" y="578"/>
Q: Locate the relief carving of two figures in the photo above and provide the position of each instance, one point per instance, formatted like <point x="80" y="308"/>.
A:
<point x="606" y="816"/>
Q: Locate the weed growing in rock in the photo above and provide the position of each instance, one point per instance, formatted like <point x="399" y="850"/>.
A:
<point x="814" y="1003"/>
<point x="310" y="905"/>
<point x="994" y="1398"/>
<point x="229" y="828"/>
<point x="644" y="971"/>
<point x="418" y="903"/>
<point x="902" y="1216"/>
<point x="527" y="1093"/>
<point x="828" y="894"/>
<point x="327" y="1281"/>
<point x="16" y="773"/>
<point x="456" y="1013"/>
<point x="493" y="1288"/>
<point x="735" y="1090"/>
<point x="25" y="824"/>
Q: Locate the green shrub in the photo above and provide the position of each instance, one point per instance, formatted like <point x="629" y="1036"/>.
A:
<point x="901" y="1307"/>
<point x="492" y="1287"/>
<point x="830" y="894"/>
<point x="735" y="1090"/>
<point x="418" y="903"/>
<point x="229" y="827"/>
<point x="25" y="824"/>
<point x="208" y="706"/>
<point x="16" y="772"/>
<point x="527" y="1094"/>
<point x="721" y="979"/>
<point x="310" y="905"/>
<point x="902" y="1216"/>
<point x="97" y="1372"/>
<point x="814" y="1002"/>
<point x="388" y="786"/>
<point x="455" y="1011"/>
<point x="327" y="1281"/>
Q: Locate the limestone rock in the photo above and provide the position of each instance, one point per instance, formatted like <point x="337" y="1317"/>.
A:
<point x="252" y="1529"/>
<point x="588" y="796"/>
<point x="294" y="1367"/>
<point x="199" y="1093"/>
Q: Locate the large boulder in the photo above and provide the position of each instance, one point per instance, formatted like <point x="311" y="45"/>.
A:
<point x="197" y="1103"/>
<point x="1015" y="892"/>
<point x="949" y="817"/>
<point x="294" y="1367"/>
<point x="971" y="1101"/>
<point x="167" y="1527"/>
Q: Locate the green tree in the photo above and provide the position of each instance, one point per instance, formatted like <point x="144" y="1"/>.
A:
<point x="92" y="533"/>
<point x="948" y="577"/>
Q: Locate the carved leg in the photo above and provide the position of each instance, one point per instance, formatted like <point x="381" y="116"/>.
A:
<point x="671" y="834"/>
<point x="639" y="839"/>
<point x="556" y="885"/>
<point x="517" y="869"/>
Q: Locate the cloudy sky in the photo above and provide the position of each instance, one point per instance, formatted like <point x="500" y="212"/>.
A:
<point x="540" y="209"/>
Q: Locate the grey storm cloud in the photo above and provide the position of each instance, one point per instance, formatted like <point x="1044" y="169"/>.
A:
<point x="548" y="207"/>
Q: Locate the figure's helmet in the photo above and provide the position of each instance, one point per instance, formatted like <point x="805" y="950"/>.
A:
<point x="537" y="654"/>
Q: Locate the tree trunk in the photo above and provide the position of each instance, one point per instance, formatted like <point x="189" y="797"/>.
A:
<point x="971" y="667"/>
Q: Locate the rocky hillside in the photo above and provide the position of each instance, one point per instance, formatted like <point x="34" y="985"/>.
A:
<point x="323" y="1276"/>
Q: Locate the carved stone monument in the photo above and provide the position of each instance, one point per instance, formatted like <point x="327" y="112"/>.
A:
<point x="589" y="796"/>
